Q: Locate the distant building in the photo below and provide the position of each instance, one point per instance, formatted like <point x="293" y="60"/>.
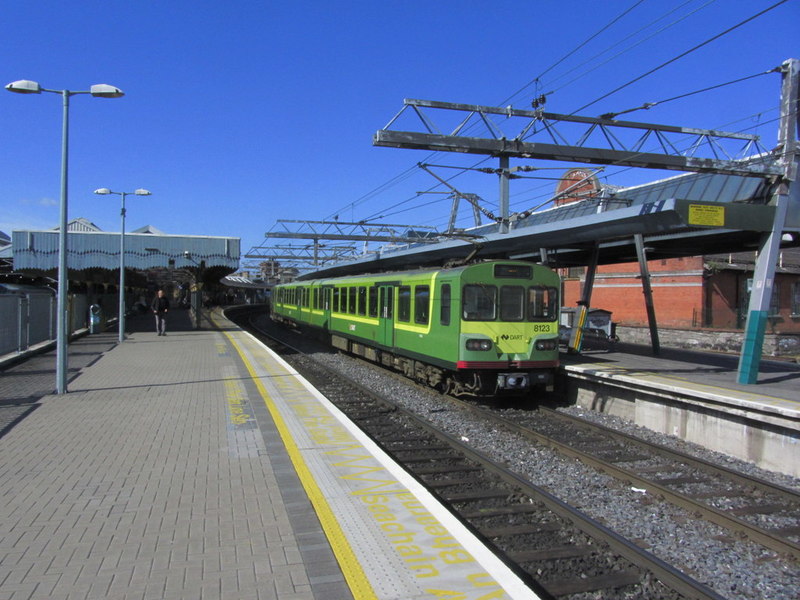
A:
<point x="5" y="252"/>
<point x="711" y="291"/>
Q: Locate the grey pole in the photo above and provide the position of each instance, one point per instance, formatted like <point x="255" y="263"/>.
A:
<point x="121" y="319"/>
<point x="769" y="246"/>
<point x="102" y="90"/>
<point x="63" y="279"/>
<point x="504" y="173"/>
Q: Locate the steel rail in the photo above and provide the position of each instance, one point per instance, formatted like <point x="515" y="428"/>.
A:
<point x="753" y="532"/>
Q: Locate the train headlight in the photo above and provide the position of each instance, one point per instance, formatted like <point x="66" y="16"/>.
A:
<point x="479" y="345"/>
<point x="546" y="345"/>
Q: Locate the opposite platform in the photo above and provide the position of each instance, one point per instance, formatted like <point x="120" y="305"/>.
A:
<point x="695" y="396"/>
<point x="164" y="473"/>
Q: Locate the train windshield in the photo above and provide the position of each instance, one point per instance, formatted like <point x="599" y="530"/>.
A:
<point x="514" y="303"/>
<point x="542" y="303"/>
<point x="480" y="303"/>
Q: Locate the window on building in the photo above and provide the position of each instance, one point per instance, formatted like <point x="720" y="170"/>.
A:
<point x="796" y="299"/>
<point x="775" y="300"/>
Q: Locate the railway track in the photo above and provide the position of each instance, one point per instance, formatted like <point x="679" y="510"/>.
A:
<point x="560" y="551"/>
<point x="761" y="511"/>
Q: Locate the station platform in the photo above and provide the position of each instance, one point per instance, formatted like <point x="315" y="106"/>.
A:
<point x="695" y="396"/>
<point x="200" y="465"/>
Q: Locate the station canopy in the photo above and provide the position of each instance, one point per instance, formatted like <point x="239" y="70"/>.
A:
<point x="146" y="248"/>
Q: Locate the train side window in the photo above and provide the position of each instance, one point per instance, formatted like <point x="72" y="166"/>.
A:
<point x="362" y="300"/>
<point x="315" y="298"/>
<point x="512" y="303"/>
<point x="444" y="310"/>
<point x="351" y="300"/>
<point x="542" y="303"/>
<point x="336" y="299"/>
<point x="373" y="301"/>
<point x="422" y="301"/>
<point x="404" y="303"/>
<point x="326" y="293"/>
<point x="479" y="302"/>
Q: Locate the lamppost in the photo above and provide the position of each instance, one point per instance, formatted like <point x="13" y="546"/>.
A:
<point x="121" y="318"/>
<point x="100" y="90"/>
<point x="198" y="281"/>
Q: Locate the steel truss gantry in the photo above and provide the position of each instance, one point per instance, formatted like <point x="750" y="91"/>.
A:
<point x="677" y="148"/>
<point x="606" y="141"/>
<point x="308" y="253"/>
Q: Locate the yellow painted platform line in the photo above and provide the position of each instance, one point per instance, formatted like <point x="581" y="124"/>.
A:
<point x="351" y="568"/>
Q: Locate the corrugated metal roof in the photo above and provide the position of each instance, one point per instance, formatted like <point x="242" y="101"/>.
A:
<point x="80" y="224"/>
<point x="39" y="250"/>
<point x="148" y="229"/>
<point x="237" y="281"/>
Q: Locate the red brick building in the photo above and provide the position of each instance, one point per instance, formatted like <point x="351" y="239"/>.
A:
<point x="693" y="292"/>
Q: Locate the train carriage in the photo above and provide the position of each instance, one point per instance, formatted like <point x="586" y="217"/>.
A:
<point x="478" y="329"/>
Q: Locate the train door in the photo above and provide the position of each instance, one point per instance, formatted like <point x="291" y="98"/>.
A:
<point x="327" y="293"/>
<point x="386" y="315"/>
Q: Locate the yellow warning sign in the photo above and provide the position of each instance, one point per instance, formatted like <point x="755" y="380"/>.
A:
<point x="709" y="216"/>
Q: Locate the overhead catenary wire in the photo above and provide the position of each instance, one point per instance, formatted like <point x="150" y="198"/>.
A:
<point x="649" y="105"/>
<point x="403" y="205"/>
<point x="404" y="174"/>
<point x="585" y="72"/>
<point x="573" y="51"/>
<point x="680" y="56"/>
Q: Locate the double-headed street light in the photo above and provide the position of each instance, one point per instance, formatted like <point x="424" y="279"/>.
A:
<point x="102" y="90"/>
<point x="105" y="192"/>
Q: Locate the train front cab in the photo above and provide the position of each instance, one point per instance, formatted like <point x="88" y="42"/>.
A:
<point x="508" y="338"/>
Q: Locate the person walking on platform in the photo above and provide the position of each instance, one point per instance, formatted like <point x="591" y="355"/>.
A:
<point x="160" y="308"/>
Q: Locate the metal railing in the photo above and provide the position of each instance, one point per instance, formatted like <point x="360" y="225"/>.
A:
<point x="29" y="318"/>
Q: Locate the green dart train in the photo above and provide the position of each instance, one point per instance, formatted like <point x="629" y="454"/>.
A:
<point x="476" y="330"/>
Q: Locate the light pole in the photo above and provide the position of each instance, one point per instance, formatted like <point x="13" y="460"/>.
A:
<point x="105" y="192"/>
<point x="101" y="90"/>
<point x="198" y="286"/>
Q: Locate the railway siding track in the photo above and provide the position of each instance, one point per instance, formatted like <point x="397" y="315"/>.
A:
<point x="562" y="552"/>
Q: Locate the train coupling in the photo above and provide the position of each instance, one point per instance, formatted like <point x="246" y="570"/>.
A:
<point x="523" y="381"/>
<point x="513" y="381"/>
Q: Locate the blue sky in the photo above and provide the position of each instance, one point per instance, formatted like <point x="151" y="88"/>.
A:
<point x="240" y="113"/>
